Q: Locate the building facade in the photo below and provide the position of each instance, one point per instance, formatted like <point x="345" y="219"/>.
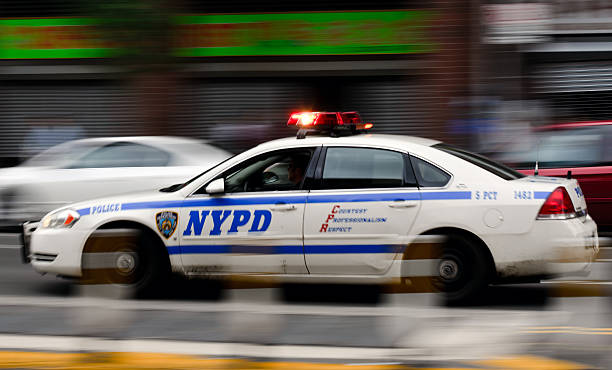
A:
<point x="231" y="72"/>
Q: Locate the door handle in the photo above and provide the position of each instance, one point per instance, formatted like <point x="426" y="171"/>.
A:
<point x="283" y="207"/>
<point x="401" y="203"/>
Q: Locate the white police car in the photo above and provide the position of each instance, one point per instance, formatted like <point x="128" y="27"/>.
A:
<point x="336" y="206"/>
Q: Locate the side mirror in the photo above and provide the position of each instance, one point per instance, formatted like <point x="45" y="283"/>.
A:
<point x="216" y="187"/>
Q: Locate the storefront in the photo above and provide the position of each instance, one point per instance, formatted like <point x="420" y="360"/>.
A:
<point x="235" y="77"/>
<point x="565" y="67"/>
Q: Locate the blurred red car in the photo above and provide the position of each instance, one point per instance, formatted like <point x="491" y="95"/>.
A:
<point x="585" y="149"/>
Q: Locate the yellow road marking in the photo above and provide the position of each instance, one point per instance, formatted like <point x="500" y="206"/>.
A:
<point x="579" y="290"/>
<point x="531" y="363"/>
<point x="142" y="361"/>
<point x="315" y="366"/>
<point x="577" y="332"/>
<point x="158" y="361"/>
<point x="567" y="330"/>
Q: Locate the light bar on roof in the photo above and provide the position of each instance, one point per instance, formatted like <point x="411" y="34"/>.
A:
<point x="327" y="119"/>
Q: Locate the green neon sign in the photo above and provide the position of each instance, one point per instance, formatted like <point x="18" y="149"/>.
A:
<point x="315" y="33"/>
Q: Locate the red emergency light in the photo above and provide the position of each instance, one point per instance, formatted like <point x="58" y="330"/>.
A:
<point x="328" y="121"/>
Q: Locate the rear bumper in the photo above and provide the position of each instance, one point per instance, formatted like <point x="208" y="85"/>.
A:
<point x="551" y="248"/>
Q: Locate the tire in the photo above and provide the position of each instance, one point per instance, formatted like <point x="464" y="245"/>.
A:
<point x="463" y="271"/>
<point x="129" y="260"/>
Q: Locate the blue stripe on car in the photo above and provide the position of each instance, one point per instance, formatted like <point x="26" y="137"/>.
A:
<point x="355" y="248"/>
<point x="349" y="198"/>
<point x="541" y="194"/>
<point x="223" y="249"/>
<point x="84" y="211"/>
<point x="286" y="249"/>
<point x="446" y="195"/>
<point x="290" y="199"/>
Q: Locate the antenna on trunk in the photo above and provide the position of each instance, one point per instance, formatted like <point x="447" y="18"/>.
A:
<point x="535" y="172"/>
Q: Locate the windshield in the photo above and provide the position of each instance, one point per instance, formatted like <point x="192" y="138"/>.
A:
<point x="191" y="153"/>
<point x="483" y="162"/>
<point x="177" y="187"/>
<point x="60" y="154"/>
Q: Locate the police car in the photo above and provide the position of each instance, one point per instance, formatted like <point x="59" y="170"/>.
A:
<point x="334" y="204"/>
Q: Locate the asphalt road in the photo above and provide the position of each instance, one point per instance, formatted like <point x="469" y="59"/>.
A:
<point x="564" y="321"/>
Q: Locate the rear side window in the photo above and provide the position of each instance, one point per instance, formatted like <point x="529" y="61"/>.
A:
<point x="353" y="168"/>
<point x="429" y="175"/>
<point x="483" y="162"/>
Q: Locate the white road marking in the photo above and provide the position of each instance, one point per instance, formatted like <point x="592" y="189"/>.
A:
<point x="216" y="349"/>
<point x="577" y="282"/>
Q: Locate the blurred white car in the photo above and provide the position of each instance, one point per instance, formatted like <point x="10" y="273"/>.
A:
<point x="92" y="168"/>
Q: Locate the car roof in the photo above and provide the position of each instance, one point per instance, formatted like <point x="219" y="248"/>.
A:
<point x="140" y="139"/>
<point x="364" y="139"/>
<point x="571" y="125"/>
<point x="185" y="151"/>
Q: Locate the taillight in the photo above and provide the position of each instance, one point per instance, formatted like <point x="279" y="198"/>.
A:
<point x="558" y="206"/>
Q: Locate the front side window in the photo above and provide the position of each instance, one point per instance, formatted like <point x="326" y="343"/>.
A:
<point x="276" y="171"/>
<point x="353" y="168"/>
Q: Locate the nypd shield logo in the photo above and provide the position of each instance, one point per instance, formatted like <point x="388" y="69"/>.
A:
<point x="166" y="223"/>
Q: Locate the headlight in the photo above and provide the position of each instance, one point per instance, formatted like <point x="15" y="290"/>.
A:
<point x="60" y="219"/>
<point x="8" y="198"/>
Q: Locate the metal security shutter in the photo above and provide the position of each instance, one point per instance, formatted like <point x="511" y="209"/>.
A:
<point x="238" y="115"/>
<point x="394" y="106"/>
<point x="574" y="77"/>
<point x="98" y="108"/>
<point x="576" y="91"/>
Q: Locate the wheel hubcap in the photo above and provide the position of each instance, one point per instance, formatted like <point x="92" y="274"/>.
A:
<point x="448" y="269"/>
<point x="126" y="263"/>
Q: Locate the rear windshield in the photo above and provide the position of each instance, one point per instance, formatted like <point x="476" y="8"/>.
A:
<point x="485" y="163"/>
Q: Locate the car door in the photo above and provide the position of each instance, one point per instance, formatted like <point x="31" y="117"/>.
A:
<point x="255" y="226"/>
<point x="359" y="215"/>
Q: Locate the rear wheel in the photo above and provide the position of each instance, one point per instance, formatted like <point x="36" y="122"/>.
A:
<point x="462" y="270"/>
<point x="129" y="260"/>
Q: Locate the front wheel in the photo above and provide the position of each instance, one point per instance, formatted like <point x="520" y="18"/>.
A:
<point x="462" y="271"/>
<point x="127" y="259"/>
